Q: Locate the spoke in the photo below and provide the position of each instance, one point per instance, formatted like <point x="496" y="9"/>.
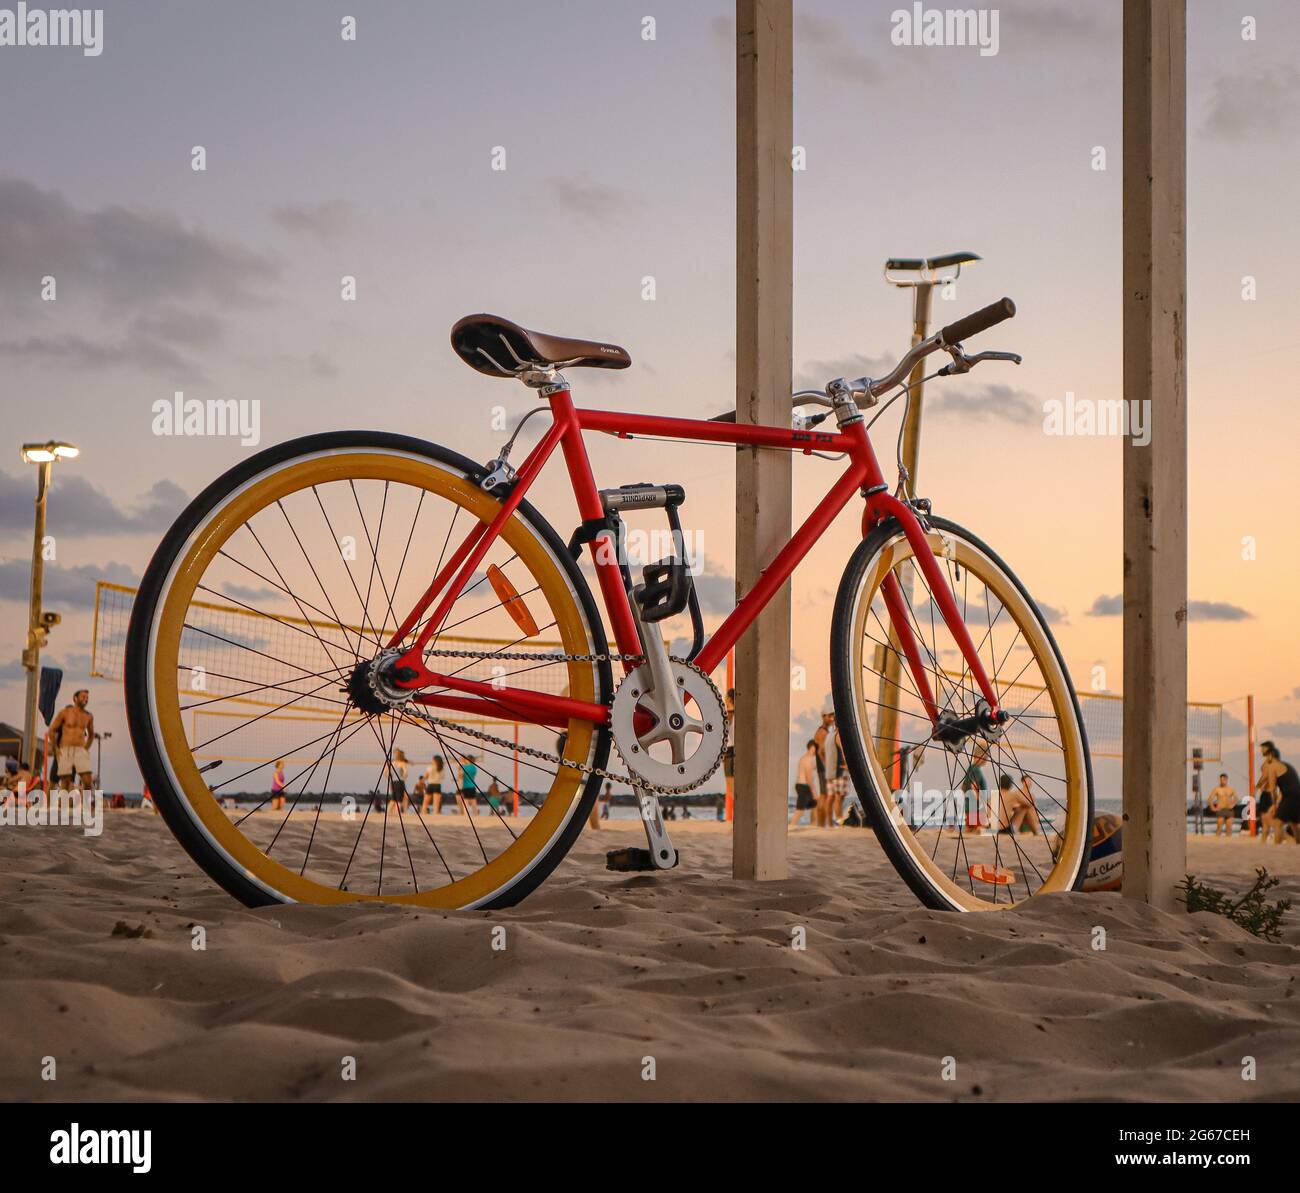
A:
<point x="330" y="749"/>
<point x="203" y="745"/>
<point x="301" y="609"/>
<point x="501" y="783"/>
<point x="343" y="563"/>
<point x="316" y="575"/>
<point x="260" y="765"/>
<point x="332" y="673"/>
<point x="374" y="546"/>
<point x="256" y="612"/>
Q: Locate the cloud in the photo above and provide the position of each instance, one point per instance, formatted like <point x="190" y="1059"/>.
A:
<point x="1261" y="102"/>
<point x="584" y="196"/>
<point x="75" y="664"/>
<point x="814" y="374"/>
<point x="188" y="329"/>
<point x="834" y="50"/>
<point x="1231" y="726"/>
<point x="831" y="48"/>
<point x="1216" y="611"/>
<point x="130" y="257"/>
<point x="1113" y="606"/>
<point x="1040" y="25"/>
<point x="717" y="592"/>
<point x="1051" y="614"/>
<point x="995" y="403"/>
<point x="1284" y="729"/>
<point x="324" y="220"/>
<point x="1107" y="606"/>
<point x="65" y="587"/>
<point x="78" y="508"/>
<point x="320" y="365"/>
<point x="86" y="355"/>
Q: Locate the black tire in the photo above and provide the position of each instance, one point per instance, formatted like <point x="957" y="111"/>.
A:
<point x="169" y="802"/>
<point x="846" y="713"/>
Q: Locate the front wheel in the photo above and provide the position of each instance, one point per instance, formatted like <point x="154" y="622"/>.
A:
<point x="973" y="822"/>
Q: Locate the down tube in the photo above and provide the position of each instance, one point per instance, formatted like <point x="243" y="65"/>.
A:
<point x="778" y="571"/>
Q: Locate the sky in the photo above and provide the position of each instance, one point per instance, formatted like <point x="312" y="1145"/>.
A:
<point x="374" y="159"/>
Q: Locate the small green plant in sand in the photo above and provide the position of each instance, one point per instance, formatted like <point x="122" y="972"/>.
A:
<point x="1252" y="911"/>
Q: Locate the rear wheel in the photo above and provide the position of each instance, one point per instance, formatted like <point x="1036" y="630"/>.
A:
<point x="960" y="837"/>
<point x="243" y="652"/>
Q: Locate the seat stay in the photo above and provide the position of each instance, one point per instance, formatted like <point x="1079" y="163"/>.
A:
<point x="467" y="557"/>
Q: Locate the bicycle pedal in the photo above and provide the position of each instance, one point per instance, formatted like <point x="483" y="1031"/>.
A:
<point x="630" y="860"/>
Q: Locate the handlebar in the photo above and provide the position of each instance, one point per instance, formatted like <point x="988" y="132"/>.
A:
<point x="947" y="338"/>
<point x="865" y="390"/>
<point x="973" y="324"/>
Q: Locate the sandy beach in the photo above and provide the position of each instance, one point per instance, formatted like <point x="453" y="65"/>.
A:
<point x="601" y="971"/>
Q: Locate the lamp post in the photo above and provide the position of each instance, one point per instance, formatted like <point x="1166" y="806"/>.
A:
<point x="39" y="623"/>
<point x="920" y="275"/>
<point x="101" y="738"/>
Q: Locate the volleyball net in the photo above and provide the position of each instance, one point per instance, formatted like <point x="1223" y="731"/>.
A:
<point x="259" y="688"/>
<point x="1103" y="721"/>
<point x="277" y="678"/>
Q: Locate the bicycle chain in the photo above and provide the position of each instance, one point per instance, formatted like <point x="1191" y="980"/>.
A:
<point x="601" y="772"/>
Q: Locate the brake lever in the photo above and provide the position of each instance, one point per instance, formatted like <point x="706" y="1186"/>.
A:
<point x="961" y="363"/>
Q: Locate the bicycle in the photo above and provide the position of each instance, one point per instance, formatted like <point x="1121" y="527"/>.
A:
<point x="979" y="679"/>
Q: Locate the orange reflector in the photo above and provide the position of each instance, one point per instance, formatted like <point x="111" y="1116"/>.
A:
<point x="997" y="875"/>
<point x="509" y="596"/>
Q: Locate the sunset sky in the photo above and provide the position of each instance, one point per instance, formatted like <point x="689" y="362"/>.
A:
<point x="374" y="159"/>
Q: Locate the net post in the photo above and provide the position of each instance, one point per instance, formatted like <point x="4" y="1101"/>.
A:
<point x="1250" y="759"/>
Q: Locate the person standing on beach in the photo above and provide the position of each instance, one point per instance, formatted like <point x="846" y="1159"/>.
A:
<point x="822" y="790"/>
<point x="398" y="768"/>
<point x="975" y="789"/>
<point x="824" y="738"/>
<point x="469" y="783"/>
<point x="1267" y="788"/>
<point x="600" y="807"/>
<point x="277" y="786"/>
<point x="433" y="776"/>
<point x="71" y="733"/>
<point x="1223" y="803"/>
<point x="805" y="776"/>
<point x="1286" y="789"/>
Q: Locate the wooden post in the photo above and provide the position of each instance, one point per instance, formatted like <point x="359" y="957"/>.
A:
<point x="1155" y="476"/>
<point x="1250" y="759"/>
<point x="764" y="306"/>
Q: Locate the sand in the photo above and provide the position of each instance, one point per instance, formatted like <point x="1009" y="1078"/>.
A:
<point x="606" y="978"/>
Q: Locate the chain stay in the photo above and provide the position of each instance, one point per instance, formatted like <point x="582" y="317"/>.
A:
<point x="601" y="772"/>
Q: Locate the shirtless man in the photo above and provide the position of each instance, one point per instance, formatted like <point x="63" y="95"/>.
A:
<point x="72" y="731"/>
<point x="1223" y="803"/>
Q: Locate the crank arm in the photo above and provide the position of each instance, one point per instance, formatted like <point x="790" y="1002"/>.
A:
<point x="662" y="852"/>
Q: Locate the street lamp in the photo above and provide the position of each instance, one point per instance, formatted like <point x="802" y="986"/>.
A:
<point x="39" y="623"/>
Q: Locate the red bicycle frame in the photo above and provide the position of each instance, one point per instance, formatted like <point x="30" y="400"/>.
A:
<point x="863" y="476"/>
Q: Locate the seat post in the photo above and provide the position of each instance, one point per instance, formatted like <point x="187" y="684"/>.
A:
<point x="591" y="509"/>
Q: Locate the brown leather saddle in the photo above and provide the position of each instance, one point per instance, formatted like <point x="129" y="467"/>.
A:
<point x="499" y="348"/>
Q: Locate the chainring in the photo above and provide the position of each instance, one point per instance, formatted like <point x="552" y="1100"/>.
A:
<point x="660" y="773"/>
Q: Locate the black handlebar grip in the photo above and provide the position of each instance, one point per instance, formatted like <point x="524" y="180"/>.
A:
<point x="978" y="321"/>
